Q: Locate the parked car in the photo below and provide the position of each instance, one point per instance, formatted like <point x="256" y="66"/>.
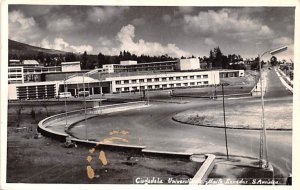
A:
<point x="64" y="95"/>
<point x="83" y="93"/>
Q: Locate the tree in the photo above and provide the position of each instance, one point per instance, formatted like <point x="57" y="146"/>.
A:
<point x="273" y="61"/>
<point x="255" y="64"/>
<point x="84" y="60"/>
<point x="48" y="60"/>
<point x="101" y="59"/>
<point x="70" y="57"/>
<point x="40" y="57"/>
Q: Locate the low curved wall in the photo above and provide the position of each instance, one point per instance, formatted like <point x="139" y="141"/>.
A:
<point x="45" y="124"/>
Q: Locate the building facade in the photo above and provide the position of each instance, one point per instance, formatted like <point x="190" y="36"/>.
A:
<point x="70" y="66"/>
<point x="35" y="90"/>
<point x="47" y="82"/>
<point x="163" y="81"/>
<point x="15" y="75"/>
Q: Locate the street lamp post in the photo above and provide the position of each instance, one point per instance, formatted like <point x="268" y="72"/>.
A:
<point x="86" y="136"/>
<point x="84" y="74"/>
<point x="66" y="90"/>
<point x="66" y="111"/>
<point x="263" y="136"/>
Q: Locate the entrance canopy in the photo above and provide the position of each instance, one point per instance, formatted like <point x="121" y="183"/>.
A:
<point x="81" y="79"/>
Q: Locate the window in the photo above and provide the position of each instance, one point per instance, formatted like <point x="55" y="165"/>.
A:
<point x="164" y="86"/>
<point x="170" y="78"/>
<point x="156" y="86"/>
<point x="198" y="76"/>
<point x="156" y="79"/>
<point x="142" y="88"/>
<point x="141" y="80"/>
<point x="164" y="79"/>
<point x="178" y="84"/>
<point x="205" y="82"/>
<point x="172" y="85"/>
<point x="149" y="87"/>
<point x="192" y="83"/>
<point x="118" y="89"/>
<point x="199" y="83"/>
<point x="126" y="81"/>
<point x="133" y="81"/>
<point x="126" y="89"/>
<point x="186" y="84"/>
<point x="149" y="80"/>
<point x="205" y="76"/>
<point x="177" y="78"/>
<point x="192" y="77"/>
<point x="118" y="82"/>
<point x="185" y="77"/>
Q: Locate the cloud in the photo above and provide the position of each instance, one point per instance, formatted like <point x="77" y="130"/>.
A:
<point x="126" y="39"/>
<point x="61" y="24"/>
<point x="138" y="21"/>
<point x="21" y="28"/>
<point x="104" y="41"/>
<point x="82" y="48"/>
<point x="210" y="42"/>
<point x="225" y="22"/>
<point x="105" y="14"/>
<point x="61" y="44"/>
<point x="282" y="41"/>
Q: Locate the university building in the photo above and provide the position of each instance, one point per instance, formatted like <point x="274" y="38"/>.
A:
<point x="128" y="76"/>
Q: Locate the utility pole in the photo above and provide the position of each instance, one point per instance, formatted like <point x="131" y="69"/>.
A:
<point x="66" y="112"/>
<point x="224" y="116"/>
<point x="86" y="136"/>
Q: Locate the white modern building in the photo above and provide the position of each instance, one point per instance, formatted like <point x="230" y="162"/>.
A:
<point x="35" y="90"/>
<point x="163" y="81"/>
<point x="129" y="78"/>
<point x="30" y="63"/>
<point x="70" y="66"/>
<point x="188" y="64"/>
<point x="227" y="73"/>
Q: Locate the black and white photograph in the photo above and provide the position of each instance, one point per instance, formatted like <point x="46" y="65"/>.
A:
<point x="134" y="94"/>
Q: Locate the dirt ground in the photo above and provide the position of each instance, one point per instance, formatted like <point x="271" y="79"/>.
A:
<point x="277" y="116"/>
<point x="45" y="160"/>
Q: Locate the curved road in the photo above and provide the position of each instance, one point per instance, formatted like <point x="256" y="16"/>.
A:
<point x="154" y="128"/>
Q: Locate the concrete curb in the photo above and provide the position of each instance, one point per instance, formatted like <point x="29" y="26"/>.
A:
<point x="204" y="171"/>
<point x="286" y="77"/>
<point x="183" y="155"/>
<point x="61" y="136"/>
<point x="283" y="81"/>
<point x="209" y="97"/>
<point x="227" y="127"/>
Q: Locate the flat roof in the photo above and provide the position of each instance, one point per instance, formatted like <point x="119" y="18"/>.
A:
<point x="70" y="63"/>
<point x="30" y="62"/>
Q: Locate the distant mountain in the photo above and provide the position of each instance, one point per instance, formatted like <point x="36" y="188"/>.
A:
<point x="18" y="48"/>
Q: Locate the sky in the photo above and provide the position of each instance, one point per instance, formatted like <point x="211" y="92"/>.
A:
<point x="154" y="30"/>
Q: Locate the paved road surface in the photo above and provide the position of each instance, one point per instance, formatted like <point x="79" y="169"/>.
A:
<point x="154" y="128"/>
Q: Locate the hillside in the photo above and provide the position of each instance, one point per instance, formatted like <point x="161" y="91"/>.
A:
<point x="18" y="48"/>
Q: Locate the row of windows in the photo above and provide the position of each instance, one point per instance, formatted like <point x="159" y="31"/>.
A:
<point x="14" y="70"/>
<point x="144" y="69"/>
<point x="162" y="86"/>
<point x="14" y="76"/>
<point x="15" y="81"/>
<point x="133" y="81"/>
<point x="36" y="92"/>
<point x="39" y="70"/>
